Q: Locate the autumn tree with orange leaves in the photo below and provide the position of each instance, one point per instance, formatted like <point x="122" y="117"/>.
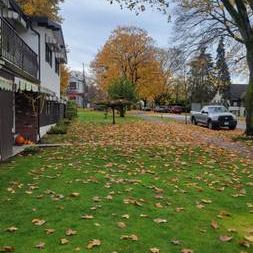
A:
<point x="130" y="53"/>
<point x="48" y="8"/>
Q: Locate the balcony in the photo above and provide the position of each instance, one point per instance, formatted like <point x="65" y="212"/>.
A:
<point x="16" y="54"/>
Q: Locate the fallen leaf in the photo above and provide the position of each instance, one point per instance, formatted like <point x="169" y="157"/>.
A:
<point x="214" y="224"/>
<point x="154" y="250"/>
<point x="40" y="245"/>
<point x="126" y="216"/>
<point x="93" y="243"/>
<point x="7" y="249"/>
<point x="49" y="231"/>
<point x="70" y="232"/>
<point x="225" y="238"/>
<point x="75" y="194"/>
<point x="11" y="229"/>
<point x="249" y="238"/>
<point x="159" y="220"/>
<point x="187" y="251"/>
<point x="206" y="201"/>
<point x="87" y="217"/>
<point x="175" y="242"/>
<point x="245" y="243"/>
<point x="38" y="222"/>
<point x="64" y="241"/>
<point x="129" y="237"/>
<point x="121" y="224"/>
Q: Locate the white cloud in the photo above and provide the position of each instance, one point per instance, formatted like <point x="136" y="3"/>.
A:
<point x="88" y="24"/>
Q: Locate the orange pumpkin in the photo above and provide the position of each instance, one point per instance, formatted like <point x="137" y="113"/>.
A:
<point x="20" y="140"/>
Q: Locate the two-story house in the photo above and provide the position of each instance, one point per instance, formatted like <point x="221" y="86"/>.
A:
<point x="76" y="89"/>
<point x="31" y="51"/>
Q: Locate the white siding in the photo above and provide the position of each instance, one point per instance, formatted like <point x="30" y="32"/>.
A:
<point x="31" y="39"/>
<point x="49" y="78"/>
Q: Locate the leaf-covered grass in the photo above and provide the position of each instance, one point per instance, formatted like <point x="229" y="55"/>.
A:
<point x="119" y="175"/>
<point x="101" y="117"/>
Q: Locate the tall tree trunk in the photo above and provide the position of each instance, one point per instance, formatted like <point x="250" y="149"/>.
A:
<point x="249" y="97"/>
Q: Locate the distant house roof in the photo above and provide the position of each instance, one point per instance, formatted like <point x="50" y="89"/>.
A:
<point x="238" y="91"/>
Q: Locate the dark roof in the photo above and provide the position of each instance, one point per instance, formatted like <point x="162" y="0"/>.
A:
<point x="55" y="27"/>
<point x="16" y="7"/>
<point x="46" y="22"/>
<point x="238" y="91"/>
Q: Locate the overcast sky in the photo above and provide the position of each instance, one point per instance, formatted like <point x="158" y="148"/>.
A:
<point x="88" y="24"/>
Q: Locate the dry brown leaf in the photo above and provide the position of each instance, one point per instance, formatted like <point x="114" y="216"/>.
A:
<point x="214" y="224"/>
<point x="75" y="194"/>
<point x="154" y="250"/>
<point x="38" y="222"/>
<point x="70" y="232"/>
<point x="126" y="216"/>
<point x="159" y="220"/>
<point x="40" y="245"/>
<point x="245" y="243"/>
<point x="121" y="224"/>
<point x="249" y="238"/>
<point x="64" y="241"/>
<point x="11" y="229"/>
<point x="7" y="249"/>
<point x="49" y="231"/>
<point x="129" y="237"/>
<point x="87" y="217"/>
<point x="93" y="243"/>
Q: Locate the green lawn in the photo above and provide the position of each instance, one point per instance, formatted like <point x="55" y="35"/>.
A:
<point x="167" y="196"/>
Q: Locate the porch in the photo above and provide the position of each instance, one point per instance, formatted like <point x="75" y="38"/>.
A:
<point x="15" y="55"/>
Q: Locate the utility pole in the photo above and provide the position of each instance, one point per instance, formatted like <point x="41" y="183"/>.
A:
<point x="84" y="87"/>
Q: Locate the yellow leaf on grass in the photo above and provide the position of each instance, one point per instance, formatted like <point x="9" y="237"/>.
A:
<point x="11" y="229"/>
<point x="70" y="232"/>
<point x="93" y="243"/>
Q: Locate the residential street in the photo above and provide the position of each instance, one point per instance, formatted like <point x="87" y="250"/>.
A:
<point x="181" y="117"/>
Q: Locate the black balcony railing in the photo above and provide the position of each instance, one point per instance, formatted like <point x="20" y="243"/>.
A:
<point x="16" y="52"/>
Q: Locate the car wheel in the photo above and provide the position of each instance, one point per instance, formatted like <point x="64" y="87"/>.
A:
<point x="194" y="122"/>
<point x="210" y="125"/>
<point x="232" y="127"/>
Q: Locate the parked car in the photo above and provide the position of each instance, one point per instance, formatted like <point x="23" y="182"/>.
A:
<point x="146" y="109"/>
<point x="176" y="109"/>
<point x="161" y="109"/>
<point x="214" y="116"/>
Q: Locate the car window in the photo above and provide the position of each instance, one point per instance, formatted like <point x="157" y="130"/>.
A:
<point x="217" y="109"/>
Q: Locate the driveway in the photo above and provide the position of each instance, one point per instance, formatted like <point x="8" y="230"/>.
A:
<point x="181" y="117"/>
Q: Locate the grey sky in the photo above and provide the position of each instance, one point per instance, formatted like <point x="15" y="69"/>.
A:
<point x="88" y="24"/>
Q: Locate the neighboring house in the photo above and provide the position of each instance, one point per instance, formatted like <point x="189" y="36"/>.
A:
<point x="31" y="51"/>
<point x="237" y="98"/>
<point x="236" y="101"/>
<point x="76" y="90"/>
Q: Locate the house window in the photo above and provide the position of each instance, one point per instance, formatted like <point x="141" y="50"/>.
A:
<point x="49" y="55"/>
<point x="57" y="66"/>
<point x="72" y="86"/>
<point x="48" y="108"/>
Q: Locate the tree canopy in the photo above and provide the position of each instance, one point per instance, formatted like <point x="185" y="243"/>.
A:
<point x="48" y="8"/>
<point x="130" y="53"/>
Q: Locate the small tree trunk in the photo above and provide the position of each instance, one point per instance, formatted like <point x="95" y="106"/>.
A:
<point x="249" y="97"/>
<point x="145" y="102"/>
<point x="122" y="111"/>
<point x="113" y="116"/>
